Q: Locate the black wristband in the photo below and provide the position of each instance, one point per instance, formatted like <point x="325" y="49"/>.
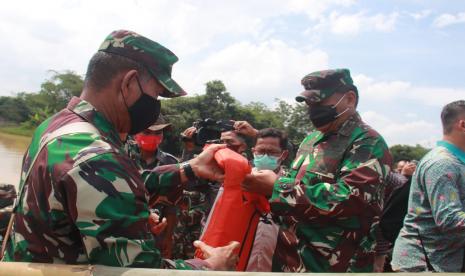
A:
<point x="188" y="171"/>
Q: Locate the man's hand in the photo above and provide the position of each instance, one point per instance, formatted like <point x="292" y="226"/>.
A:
<point x="156" y="227"/>
<point x="188" y="132"/>
<point x="409" y="169"/>
<point x="219" y="258"/>
<point x="205" y="166"/>
<point x="261" y="182"/>
<point x="378" y="265"/>
<point x="245" y="128"/>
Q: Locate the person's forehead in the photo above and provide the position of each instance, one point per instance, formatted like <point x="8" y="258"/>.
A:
<point x="268" y="142"/>
<point x="231" y="136"/>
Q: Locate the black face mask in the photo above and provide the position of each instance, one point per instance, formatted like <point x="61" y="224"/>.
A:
<point x="321" y="115"/>
<point x="144" y="112"/>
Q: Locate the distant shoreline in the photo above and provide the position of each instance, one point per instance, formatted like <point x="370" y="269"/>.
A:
<point x="17" y="130"/>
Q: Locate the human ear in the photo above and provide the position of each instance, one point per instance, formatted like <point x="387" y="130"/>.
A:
<point x="351" y="99"/>
<point x="126" y="84"/>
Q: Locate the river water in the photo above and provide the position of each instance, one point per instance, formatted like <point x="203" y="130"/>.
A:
<point x="12" y="149"/>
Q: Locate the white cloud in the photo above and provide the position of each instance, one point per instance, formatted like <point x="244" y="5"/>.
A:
<point x="393" y="91"/>
<point x="252" y="71"/>
<point x="420" y="15"/>
<point x="351" y="24"/>
<point x="63" y="34"/>
<point x="447" y="19"/>
<point x="409" y="132"/>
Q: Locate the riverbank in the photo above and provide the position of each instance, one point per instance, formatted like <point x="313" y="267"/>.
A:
<point x="12" y="149"/>
<point x="17" y="130"/>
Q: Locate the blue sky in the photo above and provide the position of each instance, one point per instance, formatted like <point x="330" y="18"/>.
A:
<point x="406" y="57"/>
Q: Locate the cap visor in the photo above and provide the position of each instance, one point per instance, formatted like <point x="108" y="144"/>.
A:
<point x="159" y="127"/>
<point x="300" y="99"/>
<point x="172" y="88"/>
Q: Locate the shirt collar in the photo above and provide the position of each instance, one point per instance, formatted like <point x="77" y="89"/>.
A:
<point x="88" y="112"/>
<point x="456" y="151"/>
<point x="350" y="124"/>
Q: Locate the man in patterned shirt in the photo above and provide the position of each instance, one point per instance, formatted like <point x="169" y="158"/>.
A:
<point x="330" y="201"/>
<point x="433" y="235"/>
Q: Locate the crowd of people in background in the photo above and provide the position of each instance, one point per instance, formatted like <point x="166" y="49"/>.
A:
<point x="98" y="188"/>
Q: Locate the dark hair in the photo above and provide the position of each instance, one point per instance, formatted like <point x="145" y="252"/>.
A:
<point x="103" y="67"/>
<point x="275" y="133"/>
<point x="450" y="114"/>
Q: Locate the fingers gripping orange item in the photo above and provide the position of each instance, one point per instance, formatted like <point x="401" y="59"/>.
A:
<point x="236" y="213"/>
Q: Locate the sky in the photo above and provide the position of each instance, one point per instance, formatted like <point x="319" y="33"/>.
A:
<point x="406" y="57"/>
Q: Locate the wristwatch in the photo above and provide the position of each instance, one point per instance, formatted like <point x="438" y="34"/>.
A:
<point x="188" y="171"/>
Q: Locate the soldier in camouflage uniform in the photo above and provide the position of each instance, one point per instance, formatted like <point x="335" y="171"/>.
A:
<point x="330" y="201"/>
<point x="81" y="199"/>
<point x="198" y="197"/>
<point x="144" y="149"/>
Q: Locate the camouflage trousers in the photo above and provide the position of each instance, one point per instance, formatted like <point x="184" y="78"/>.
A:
<point x="192" y="215"/>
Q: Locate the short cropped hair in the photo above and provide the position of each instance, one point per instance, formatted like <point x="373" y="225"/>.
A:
<point x="275" y="133"/>
<point x="103" y="67"/>
<point x="450" y="113"/>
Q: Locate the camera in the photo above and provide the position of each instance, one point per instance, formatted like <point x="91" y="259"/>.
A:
<point x="209" y="131"/>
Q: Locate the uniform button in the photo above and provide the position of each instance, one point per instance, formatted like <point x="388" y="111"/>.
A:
<point x="284" y="186"/>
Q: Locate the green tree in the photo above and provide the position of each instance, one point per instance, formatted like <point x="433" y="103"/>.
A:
<point x="53" y="96"/>
<point x="297" y="124"/>
<point x="14" y="109"/>
<point x="406" y="152"/>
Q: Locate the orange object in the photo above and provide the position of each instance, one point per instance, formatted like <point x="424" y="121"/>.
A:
<point x="236" y="213"/>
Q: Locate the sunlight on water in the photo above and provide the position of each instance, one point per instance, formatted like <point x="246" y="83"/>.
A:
<point x="12" y="149"/>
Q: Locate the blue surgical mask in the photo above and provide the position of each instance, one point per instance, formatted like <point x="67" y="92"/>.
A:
<point x="265" y="162"/>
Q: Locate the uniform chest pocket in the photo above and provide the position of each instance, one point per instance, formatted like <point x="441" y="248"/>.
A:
<point x="326" y="163"/>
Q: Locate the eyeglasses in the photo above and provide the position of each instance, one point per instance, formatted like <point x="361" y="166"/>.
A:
<point x="268" y="152"/>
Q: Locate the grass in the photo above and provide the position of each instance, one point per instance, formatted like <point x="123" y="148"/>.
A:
<point x="17" y="130"/>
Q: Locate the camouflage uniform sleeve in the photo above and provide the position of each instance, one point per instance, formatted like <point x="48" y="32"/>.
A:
<point x="165" y="185"/>
<point x="357" y="189"/>
<point x="107" y="201"/>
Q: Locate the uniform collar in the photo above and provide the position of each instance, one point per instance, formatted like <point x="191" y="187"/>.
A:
<point x="347" y="127"/>
<point x="350" y="124"/>
<point x="456" y="151"/>
<point x="88" y="112"/>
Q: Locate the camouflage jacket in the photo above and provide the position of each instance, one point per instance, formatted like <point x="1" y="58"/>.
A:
<point x="85" y="201"/>
<point x="330" y="201"/>
<point x="161" y="157"/>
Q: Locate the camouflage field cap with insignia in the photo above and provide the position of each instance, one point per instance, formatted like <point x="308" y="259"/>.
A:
<point x="320" y="85"/>
<point x="160" y="124"/>
<point x="157" y="59"/>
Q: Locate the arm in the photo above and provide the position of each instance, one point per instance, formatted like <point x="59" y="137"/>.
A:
<point x="444" y="197"/>
<point x="106" y="200"/>
<point x="355" y="190"/>
<point x="168" y="181"/>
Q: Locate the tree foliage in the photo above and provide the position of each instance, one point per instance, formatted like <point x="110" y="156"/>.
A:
<point x="30" y="109"/>
<point x="406" y="152"/>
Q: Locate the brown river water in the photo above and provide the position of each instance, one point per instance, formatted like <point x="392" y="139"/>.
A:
<point x="12" y="149"/>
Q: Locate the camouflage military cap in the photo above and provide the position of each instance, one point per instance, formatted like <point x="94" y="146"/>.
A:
<point x="160" y="124"/>
<point x="320" y="85"/>
<point x="157" y="59"/>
